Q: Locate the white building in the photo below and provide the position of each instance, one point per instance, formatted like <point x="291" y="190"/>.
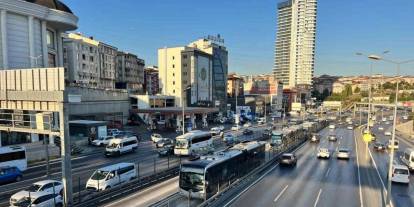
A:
<point x="184" y="67"/>
<point x="295" y="42"/>
<point x="81" y="60"/>
<point x="30" y="33"/>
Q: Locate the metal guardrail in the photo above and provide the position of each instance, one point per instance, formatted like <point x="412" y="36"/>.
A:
<point x="107" y="196"/>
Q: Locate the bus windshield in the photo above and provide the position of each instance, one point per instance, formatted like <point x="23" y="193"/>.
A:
<point x="99" y="175"/>
<point x="191" y="180"/>
<point x="181" y="144"/>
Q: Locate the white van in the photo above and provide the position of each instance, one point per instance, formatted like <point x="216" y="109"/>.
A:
<point x="400" y="174"/>
<point x="119" y="146"/>
<point x="110" y="176"/>
<point x="408" y="158"/>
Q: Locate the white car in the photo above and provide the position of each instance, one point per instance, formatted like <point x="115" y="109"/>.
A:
<point x="247" y="124"/>
<point x="384" y="119"/>
<point x="331" y="126"/>
<point x="102" y="141"/>
<point x="387" y="133"/>
<point x="387" y="122"/>
<point x="350" y="127"/>
<point x="40" y="199"/>
<point x="395" y="146"/>
<point x="342" y="153"/>
<point x="400" y="174"/>
<point x="235" y="128"/>
<point x="156" y="137"/>
<point x="380" y="128"/>
<point x="45" y="186"/>
<point x="323" y="153"/>
<point x="216" y="130"/>
<point x="405" y="117"/>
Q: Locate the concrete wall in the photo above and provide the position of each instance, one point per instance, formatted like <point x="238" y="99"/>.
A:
<point x="406" y="128"/>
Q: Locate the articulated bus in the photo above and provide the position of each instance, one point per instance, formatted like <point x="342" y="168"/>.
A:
<point x="14" y="156"/>
<point x="192" y="141"/>
<point x="204" y="177"/>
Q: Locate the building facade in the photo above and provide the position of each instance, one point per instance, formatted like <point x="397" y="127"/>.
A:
<point x="81" y="60"/>
<point x="129" y="72"/>
<point x="107" y="65"/>
<point x="295" y="42"/>
<point x="151" y="83"/>
<point x="30" y="33"/>
<point x="186" y="74"/>
<point x="234" y="85"/>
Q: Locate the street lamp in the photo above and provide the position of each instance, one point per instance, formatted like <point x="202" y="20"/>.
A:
<point x="389" y="183"/>
<point x="183" y="106"/>
<point x="371" y="57"/>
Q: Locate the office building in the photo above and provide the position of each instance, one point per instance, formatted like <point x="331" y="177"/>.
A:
<point x="186" y="74"/>
<point x="295" y="42"/>
<point x="129" y="72"/>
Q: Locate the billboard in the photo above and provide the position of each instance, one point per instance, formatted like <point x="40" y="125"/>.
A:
<point x="203" y="79"/>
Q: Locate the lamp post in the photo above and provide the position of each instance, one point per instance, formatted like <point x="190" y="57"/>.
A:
<point x="389" y="183"/>
<point x="183" y="106"/>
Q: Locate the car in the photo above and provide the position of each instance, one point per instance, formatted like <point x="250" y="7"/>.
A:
<point x="395" y="146"/>
<point x="166" y="150"/>
<point x="405" y="117"/>
<point x="267" y="133"/>
<point x="378" y="146"/>
<point x="288" y="159"/>
<point x="331" y="126"/>
<point x="156" y="137"/>
<point x="380" y="128"/>
<point x="45" y="186"/>
<point x="400" y="174"/>
<point x="229" y="139"/>
<point x="113" y="132"/>
<point x="10" y="174"/>
<point x="102" y="141"/>
<point x="373" y="137"/>
<point x="323" y="153"/>
<point x="216" y="130"/>
<point x="384" y="119"/>
<point x="387" y="133"/>
<point x="39" y="199"/>
<point x="235" y="127"/>
<point x="247" y="132"/>
<point x="342" y="153"/>
<point x="332" y="138"/>
<point x="387" y="122"/>
<point x="247" y="124"/>
<point x="350" y="127"/>
<point x="315" y="138"/>
<point x="163" y="142"/>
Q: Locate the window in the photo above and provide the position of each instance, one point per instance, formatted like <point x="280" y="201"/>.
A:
<point x="125" y="170"/>
<point x="173" y="82"/>
<point x="91" y="58"/>
<point x="50" y="39"/>
<point x="173" y="66"/>
<point x="184" y="56"/>
<point x="173" y="57"/>
<point x="12" y="156"/>
<point x="173" y="91"/>
<point x="83" y="57"/>
<point x="51" y="59"/>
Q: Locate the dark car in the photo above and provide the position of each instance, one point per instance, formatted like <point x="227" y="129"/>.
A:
<point x="267" y="133"/>
<point x="288" y="159"/>
<point x="380" y="147"/>
<point x="163" y="142"/>
<point x="10" y="174"/>
<point x="166" y="150"/>
<point x="374" y="137"/>
<point x="247" y="132"/>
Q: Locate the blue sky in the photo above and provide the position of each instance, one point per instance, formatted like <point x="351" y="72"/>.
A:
<point x="249" y="30"/>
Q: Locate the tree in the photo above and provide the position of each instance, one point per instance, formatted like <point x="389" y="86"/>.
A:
<point x="357" y="90"/>
<point x="347" y="91"/>
<point x="325" y="94"/>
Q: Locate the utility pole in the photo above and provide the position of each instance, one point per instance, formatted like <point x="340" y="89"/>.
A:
<point x="65" y="155"/>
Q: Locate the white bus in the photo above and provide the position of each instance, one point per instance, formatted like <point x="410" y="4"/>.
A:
<point x="13" y="156"/>
<point x="192" y="141"/>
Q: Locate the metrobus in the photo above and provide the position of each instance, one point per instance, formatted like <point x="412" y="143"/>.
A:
<point x="204" y="177"/>
<point x="276" y="138"/>
<point x="192" y="141"/>
<point x="13" y="156"/>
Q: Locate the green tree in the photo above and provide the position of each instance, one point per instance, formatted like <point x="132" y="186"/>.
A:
<point x="357" y="90"/>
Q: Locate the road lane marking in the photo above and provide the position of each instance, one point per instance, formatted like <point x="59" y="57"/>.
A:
<point x="280" y="194"/>
<point x="327" y="172"/>
<point x="317" y="198"/>
<point x="359" y="174"/>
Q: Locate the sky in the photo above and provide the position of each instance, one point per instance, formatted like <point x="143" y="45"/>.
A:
<point x="249" y="30"/>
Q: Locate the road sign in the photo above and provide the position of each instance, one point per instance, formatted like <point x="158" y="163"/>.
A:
<point x="367" y="137"/>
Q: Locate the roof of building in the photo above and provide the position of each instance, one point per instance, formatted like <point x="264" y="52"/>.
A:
<point x="52" y="4"/>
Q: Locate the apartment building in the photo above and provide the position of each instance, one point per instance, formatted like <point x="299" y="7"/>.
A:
<point x="129" y="72"/>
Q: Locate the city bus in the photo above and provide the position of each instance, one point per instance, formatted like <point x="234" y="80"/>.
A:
<point x="204" y="177"/>
<point x="14" y="156"/>
<point x="192" y="141"/>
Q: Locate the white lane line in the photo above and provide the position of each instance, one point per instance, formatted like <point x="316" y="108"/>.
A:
<point x="327" y="172"/>
<point x="280" y="194"/>
<point x="256" y="181"/>
<point x="317" y="198"/>
<point x="359" y="174"/>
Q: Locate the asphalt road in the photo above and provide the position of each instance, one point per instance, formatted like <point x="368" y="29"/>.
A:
<point x="312" y="182"/>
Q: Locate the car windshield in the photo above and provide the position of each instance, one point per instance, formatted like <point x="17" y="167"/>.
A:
<point x="181" y="144"/>
<point x="99" y="175"/>
<point x="34" y="188"/>
<point x="323" y="150"/>
<point x="156" y="135"/>
<point x="343" y="150"/>
<point x="191" y="180"/>
<point x="287" y="157"/>
<point x="401" y="171"/>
